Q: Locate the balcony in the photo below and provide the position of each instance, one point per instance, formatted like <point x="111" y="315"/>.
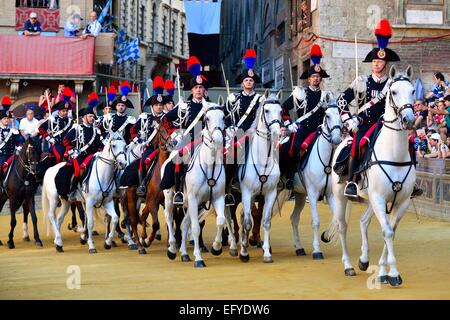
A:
<point x="159" y="51"/>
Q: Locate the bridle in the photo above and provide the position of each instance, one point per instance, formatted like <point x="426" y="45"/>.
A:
<point x="327" y="135"/>
<point x="397" y="109"/>
<point x="114" y="161"/>
<point x="207" y="139"/>
<point x="266" y="134"/>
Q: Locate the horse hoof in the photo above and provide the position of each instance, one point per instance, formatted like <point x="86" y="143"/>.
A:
<point x="185" y="258"/>
<point x="383" y="279"/>
<point x="158" y="237"/>
<point x="133" y="247"/>
<point x="350" y="272"/>
<point x="204" y="249"/>
<point x="83" y="241"/>
<point x="225" y="243"/>
<point x="113" y="244"/>
<point x="260" y="245"/>
<point x="324" y="238"/>
<point x="317" y="256"/>
<point x="252" y="242"/>
<point x="300" y="252"/>
<point x="145" y="243"/>
<point x="69" y="226"/>
<point x="395" y="281"/>
<point x="123" y="240"/>
<point x="191" y="242"/>
<point x="216" y="252"/>
<point x="92" y="250"/>
<point x="244" y="258"/>
<point x="26" y="239"/>
<point x="123" y="225"/>
<point x="1" y="243"/>
<point x="11" y="245"/>
<point x="363" y="266"/>
<point x="38" y="243"/>
<point x="233" y="253"/>
<point x="59" y="248"/>
<point x="142" y="251"/>
<point x="199" y="264"/>
<point x="95" y="233"/>
<point x="267" y="260"/>
<point x="107" y="246"/>
<point x="171" y="255"/>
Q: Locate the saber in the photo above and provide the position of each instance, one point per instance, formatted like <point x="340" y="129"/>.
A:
<point x="49" y="109"/>
<point x="227" y="85"/>
<point x="356" y="72"/>
<point x="77" y="120"/>
<point x="290" y="73"/>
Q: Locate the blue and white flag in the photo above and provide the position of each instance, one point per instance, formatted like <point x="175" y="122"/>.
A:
<point x="128" y="51"/>
<point x="104" y="12"/>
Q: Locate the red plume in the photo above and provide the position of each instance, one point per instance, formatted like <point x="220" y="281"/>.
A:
<point x="250" y="53"/>
<point x="6" y="101"/>
<point x="315" y="51"/>
<point x="158" y="82"/>
<point x="384" y="28"/>
<point x="67" y="92"/>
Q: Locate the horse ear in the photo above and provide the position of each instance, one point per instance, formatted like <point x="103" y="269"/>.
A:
<point x="220" y="101"/>
<point x="266" y="94"/>
<point x="409" y="72"/>
<point x="280" y="95"/>
<point x="392" y="72"/>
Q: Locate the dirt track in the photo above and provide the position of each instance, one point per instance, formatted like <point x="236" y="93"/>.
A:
<point x="422" y="251"/>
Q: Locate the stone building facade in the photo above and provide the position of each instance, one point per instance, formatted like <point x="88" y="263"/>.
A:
<point x="283" y="32"/>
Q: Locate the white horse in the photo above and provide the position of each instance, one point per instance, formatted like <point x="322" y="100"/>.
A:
<point x="98" y="191"/>
<point x="261" y="172"/>
<point x="315" y="181"/>
<point x="204" y="182"/>
<point x="390" y="179"/>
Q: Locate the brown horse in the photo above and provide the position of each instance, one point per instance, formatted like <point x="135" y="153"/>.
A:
<point x="154" y="197"/>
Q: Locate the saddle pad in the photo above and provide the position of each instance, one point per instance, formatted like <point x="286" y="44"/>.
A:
<point x="130" y="176"/>
<point x="309" y="143"/>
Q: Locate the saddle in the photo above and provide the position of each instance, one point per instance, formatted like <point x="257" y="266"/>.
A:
<point x="6" y="165"/>
<point x="308" y="146"/>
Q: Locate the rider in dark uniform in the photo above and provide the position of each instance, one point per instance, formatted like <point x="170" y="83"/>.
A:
<point x="369" y="93"/>
<point x="181" y="117"/>
<point x="240" y="112"/>
<point x="142" y="131"/>
<point x="9" y="140"/>
<point x="308" y="105"/>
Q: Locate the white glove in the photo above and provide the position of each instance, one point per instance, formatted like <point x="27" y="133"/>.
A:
<point x="230" y="131"/>
<point x="352" y="123"/>
<point x="50" y="140"/>
<point x="292" y="127"/>
<point x="182" y="105"/>
<point x="19" y="148"/>
<point x="136" y="140"/>
<point x="51" y="118"/>
<point x="231" y="98"/>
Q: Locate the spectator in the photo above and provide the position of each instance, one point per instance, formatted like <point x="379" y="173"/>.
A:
<point x="32" y="26"/>
<point x="421" y="111"/>
<point x="71" y="28"/>
<point x="43" y="101"/>
<point x="441" y="86"/>
<point x="93" y="27"/>
<point x="29" y="125"/>
<point x="437" y="148"/>
<point x="443" y="110"/>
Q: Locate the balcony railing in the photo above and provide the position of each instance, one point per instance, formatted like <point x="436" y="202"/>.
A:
<point x="159" y="49"/>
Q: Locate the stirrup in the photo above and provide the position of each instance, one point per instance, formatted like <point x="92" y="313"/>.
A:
<point x="350" y="195"/>
<point x="229" y="200"/>
<point x="141" y="191"/>
<point x="235" y="184"/>
<point x="289" y="184"/>
<point x="417" y="192"/>
<point x="178" y="199"/>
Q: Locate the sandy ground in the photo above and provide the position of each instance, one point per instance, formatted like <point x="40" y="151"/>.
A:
<point x="422" y="250"/>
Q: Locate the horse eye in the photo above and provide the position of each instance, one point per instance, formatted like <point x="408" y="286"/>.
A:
<point x="414" y="92"/>
<point x="266" y="111"/>
<point x="394" y="92"/>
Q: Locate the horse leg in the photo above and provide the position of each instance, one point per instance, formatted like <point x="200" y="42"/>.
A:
<point x="269" y="202"/>
<point x="26" y="211"/>
<point x="195" y="228"/>
<point x="90" y="224"/>
<point x="73" y="225"/>
<point x="257" y="214"/>
<point x="200" y="238"/>
<point x="111" y="211"/>
<point x="172" y="245"/>
<point x="231" y="237"/>
<point x="155" y="223"/>
<point x="315" y="221"/>
<point x="58" y="222"/>
<point x="246" y="222"/>
<point x="82" y="215"/>
<point x="219" y="206"/>
<point x="185" y="224"/>
<point x="130" y="211"/>
<point x="364" y="222"/>
<point x="300" y="200"/>
<point x="119" y="230"/>
<point x="144" y="216"/>
<point x="178" y="216"/>
<point x="13" y="226"/>
<point x="32" y="209"/>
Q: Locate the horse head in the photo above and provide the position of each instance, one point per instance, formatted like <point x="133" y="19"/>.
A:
<point x="116" y="147"/>
<point x="400" y="98"/>
<point x="214" y="123"/>
<point x="269" y="117"/>
<point x="332" y="122"/>
<point x="31" y="153"/>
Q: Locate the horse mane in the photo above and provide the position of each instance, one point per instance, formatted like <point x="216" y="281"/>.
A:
<point x="258" y="115"/>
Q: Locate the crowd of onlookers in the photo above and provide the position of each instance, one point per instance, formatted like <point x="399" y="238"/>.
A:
<point x="431" y="135"/>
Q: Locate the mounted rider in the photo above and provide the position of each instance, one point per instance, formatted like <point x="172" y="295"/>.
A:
<point x="54" y="130"/>
<point x="106" y="108"/>
<point x="9" y="141"/>
<point x="188" y="118"/>
<point x="81" y="142"/>
<point x="369" y="93"/>
<point x="145" y="128"/>
<point x="240" y="113"/>
<point x="309" y="104"/>
<point x="119" y="122"/>
<point x="169" y="104"/>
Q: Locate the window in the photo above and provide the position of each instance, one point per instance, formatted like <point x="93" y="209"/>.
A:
<point x="304" y="15"/>
<point x="154" y="24"/>
<point x="49" y="4"/>
<point x="164" y="29"/>
<point x="281" y="34"/>
<point x="174" y="34"/>
<point x="142" y="15"/>
<point x="182" y="39"/>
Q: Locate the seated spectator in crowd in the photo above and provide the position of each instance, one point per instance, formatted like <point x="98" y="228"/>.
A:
<point x="443" y="110"/>
<point x="420" y="142"/>
<point x="421" y="111"/>
<point x="441" y="87"/>
<point x="71" y="28"/>
<point x="437" y="148"/>
<point x="43" y="101"/>
<point x="29" y="125"/>
<point x="93" y="27"/>
<point x="32" y="26"/>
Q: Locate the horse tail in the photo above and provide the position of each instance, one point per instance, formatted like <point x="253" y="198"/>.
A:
<point x="331" y="234"/>
<point x="281" y="199"/>
<point x="45" y="205"/>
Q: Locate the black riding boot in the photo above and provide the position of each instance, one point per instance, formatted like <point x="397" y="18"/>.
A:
<point x="178" y="199"/>
<point x="351" y="189"/>
<point x="417" y="191"/>
<point x="142" y="188"/>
